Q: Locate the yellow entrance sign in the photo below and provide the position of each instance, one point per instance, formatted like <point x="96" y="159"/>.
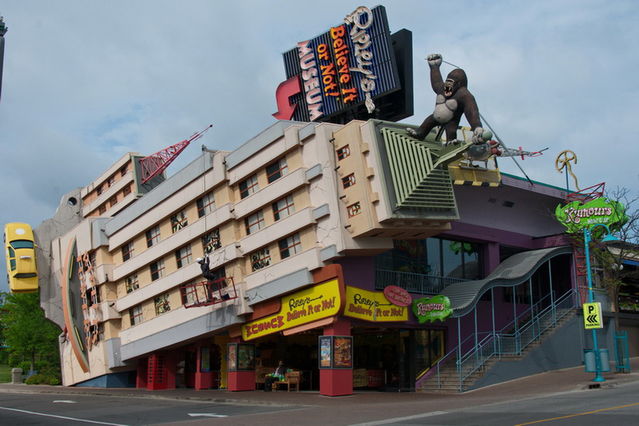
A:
<point x="592" y="315"/>
<point x="372" y="306"/>
<point x="311" y="304"/>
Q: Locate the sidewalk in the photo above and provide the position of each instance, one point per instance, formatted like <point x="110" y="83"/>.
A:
<point x="371" y="402"/>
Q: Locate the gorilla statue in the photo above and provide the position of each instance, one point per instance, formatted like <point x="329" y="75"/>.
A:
<point x="453" y="100"/>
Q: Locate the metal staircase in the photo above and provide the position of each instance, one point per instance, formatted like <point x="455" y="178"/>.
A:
<point x="459" y="369"/>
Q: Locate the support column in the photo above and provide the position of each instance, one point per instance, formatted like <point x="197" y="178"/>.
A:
<point x="239" y="377"/>
<point x="141" y="378"/>
<point x="337" y="381"/>
<point x="203" y="375"/>
<point x="492" y="257"/>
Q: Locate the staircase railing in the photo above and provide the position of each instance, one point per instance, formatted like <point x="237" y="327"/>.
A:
<point x="531" y="324"/>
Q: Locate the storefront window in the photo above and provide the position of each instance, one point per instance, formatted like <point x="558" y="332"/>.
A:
<point x="427" y="266"/>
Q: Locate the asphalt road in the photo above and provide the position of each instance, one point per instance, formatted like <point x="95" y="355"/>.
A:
<point x="617" y="406"/>
<point x="51" y="409"/>
<point x="612" y="405"/>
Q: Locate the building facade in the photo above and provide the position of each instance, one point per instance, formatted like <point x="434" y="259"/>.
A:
<point x="307" y="227"/>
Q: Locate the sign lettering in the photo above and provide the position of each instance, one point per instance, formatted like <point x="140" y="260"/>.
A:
<point x="372" y="306"/>
<point x="432" y="309"/>
<point x="311" y="304"/>
<point x="576" y="216"/>
<point x="340" y="71"/>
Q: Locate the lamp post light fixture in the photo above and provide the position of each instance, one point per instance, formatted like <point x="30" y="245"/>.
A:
<point x="591" y="297"/>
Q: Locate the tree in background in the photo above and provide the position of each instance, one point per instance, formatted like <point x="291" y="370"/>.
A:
<point x="28" y="335"/>
<point x="610" y="257"/>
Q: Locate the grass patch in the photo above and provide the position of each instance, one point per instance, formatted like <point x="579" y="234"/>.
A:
<point x="5" y="373"/>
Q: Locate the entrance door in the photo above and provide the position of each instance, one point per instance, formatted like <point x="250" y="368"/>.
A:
<point x="429" y="348"/>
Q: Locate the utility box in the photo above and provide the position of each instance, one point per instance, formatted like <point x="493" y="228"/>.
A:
<point x="16" y="376"/>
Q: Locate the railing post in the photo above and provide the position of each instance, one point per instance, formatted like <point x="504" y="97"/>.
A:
<point x="532" y="308"/>
<point x="476" y="337"/>
<point x="492" y="312"/>
<point x="459" y="366"/>
<point x="552" y="295"/>
<point x="515" y="319"/>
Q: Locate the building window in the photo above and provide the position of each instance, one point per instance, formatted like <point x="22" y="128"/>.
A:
<point x="123" y="170"/>
<point x="205" y="205"/>
<point x="94" y="298"/>
<point x="260" y="259"/>
<point x="248" y="186"/>
<point x="127" y="251"/>
<point x="183" y="256"/>
<point x="102" y="209"/>
<point x="343" y="152"/>
<point x="162" y="304"/>
<point x="157" y="270"/>
<point x="113" y="201"/>
<point x="135" y="313"/>
<point x="276" y="170"/>
<point x="254" y="222"/>
<point x="153" y="236"/>
<point x="178" y="221"/>
<point x="189" y="293"/>
<point x="211" y="241"/>
<point x="126" y="190"/>
<point x="111" y="181"/>
<point x="283" y="208"/>
<point x="354" y="209"/>
<point x="131" y="283"/>
<point x="99" y="190"/>
<point x="348" y="180"/>
<point x="290" y="246"/>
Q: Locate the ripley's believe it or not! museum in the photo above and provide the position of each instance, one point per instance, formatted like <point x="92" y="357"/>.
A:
<point x="335" y="240"/>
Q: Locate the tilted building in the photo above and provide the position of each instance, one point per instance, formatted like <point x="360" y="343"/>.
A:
<point x="308" y="228"/>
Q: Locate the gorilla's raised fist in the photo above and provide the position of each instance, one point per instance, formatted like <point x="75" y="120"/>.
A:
<point x="434" y="59"/>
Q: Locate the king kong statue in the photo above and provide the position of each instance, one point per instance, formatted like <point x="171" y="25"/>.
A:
<point x="453" y="100"/>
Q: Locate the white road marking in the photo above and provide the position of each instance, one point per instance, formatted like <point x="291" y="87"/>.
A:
<point x="401" y="419"/>
<point x="207" y="415"/>
<point x="63" y="401"/>
<point x="61" y="417"/>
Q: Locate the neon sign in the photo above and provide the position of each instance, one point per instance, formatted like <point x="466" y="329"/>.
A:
<point x="351" y="64"/>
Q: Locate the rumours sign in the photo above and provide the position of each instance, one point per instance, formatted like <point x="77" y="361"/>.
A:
<point x="345" y="69"/>
<point x="576" y="216"/>
<point x="432" y="309"/>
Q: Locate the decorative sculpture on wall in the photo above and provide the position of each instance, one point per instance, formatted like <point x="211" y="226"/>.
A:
<point x="453" y="100"/>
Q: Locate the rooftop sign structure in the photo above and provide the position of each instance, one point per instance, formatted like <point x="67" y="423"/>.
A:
<point x="347" y="72"/>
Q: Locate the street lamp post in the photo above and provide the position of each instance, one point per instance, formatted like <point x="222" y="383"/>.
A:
<point x="591" y="296"/>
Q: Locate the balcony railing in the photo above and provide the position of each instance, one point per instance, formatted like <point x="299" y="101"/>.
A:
<point x="413" y="282"/>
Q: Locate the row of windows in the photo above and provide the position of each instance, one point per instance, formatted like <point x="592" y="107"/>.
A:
<point x="161" y="303"/>
<point x="183" y="257"/>
<point x="206" y="205"/>
<point x="259" y="259"/>
<point x="282" y="208"/>
<point x="113" y="200"/>
<point x="287" y="247"/>
<point x="112" y="179"/>
<point x="179" y="220"/>
<point x="274" y="171"/>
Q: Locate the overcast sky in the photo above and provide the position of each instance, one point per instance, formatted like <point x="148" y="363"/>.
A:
<point x="86" y="81"/>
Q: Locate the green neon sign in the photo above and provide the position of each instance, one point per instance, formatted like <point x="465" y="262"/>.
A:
<point x="432" y="309"/>
<point x="576" y="216"/>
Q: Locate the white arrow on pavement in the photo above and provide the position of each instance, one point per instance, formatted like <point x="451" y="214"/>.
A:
<point x="207" y="415"/>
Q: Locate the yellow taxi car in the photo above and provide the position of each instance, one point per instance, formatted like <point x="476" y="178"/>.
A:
<point x="22" y="272"/>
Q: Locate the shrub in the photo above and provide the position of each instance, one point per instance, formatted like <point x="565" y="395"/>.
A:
<point x="42" y="379"/>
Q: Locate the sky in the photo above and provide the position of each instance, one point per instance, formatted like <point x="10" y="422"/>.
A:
<point x="87" y="81"/>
